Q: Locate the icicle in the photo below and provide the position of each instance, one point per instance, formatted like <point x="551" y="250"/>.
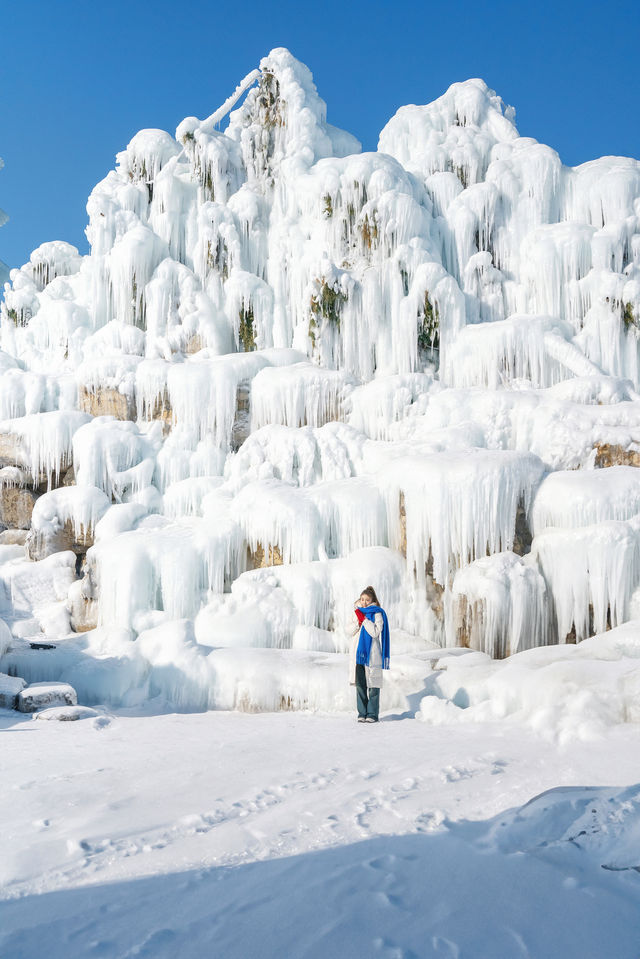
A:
<point x="575" y="499"/>
<point x="498" y="605"/>
<point x="459" y="506"/>
<point x="591" y="572"/>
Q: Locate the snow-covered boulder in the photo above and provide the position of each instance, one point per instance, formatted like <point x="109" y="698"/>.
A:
<point x="10" y="687"/>
<point x="66" y="714"/>
<point x="43" y="695"/>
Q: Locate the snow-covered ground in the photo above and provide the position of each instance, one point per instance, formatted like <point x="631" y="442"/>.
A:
<point x="297" y="834"/>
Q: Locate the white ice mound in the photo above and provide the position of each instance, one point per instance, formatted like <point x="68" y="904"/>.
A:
<point x="456" y="131"/>
<point x="562" y="692"/>
<point x="45" y="695"/>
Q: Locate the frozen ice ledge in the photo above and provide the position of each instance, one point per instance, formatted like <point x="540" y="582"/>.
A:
<point x="288" y="369"/>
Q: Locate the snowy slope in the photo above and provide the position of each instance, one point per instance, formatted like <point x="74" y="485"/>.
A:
<point x="289" y="368"/>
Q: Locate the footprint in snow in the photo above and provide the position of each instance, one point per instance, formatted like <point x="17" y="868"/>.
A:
<point x="390" y="950"/>
<point x="407" y="785"/>
<point x="429" y="821"/>
<point x="383" y="862"/>
<point x="453" y="774"/>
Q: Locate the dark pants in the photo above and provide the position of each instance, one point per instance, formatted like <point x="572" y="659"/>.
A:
<point x="368" y="704"/>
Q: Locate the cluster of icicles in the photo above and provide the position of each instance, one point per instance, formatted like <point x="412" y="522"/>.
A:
<point x="289" y="368"/>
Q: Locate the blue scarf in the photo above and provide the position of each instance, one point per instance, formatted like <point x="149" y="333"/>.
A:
<point x="363" y="651"/>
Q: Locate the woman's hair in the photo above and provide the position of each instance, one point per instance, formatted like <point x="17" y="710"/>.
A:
<point x="371" y="593"/>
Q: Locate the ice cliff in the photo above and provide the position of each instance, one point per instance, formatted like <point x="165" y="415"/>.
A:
<point x="289" y="368"/>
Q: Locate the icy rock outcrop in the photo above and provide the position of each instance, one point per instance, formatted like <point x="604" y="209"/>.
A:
<point x="16" y="506"/>
<point x="498" y="605"/>
<point x="45" y="695"/>
<point x="288" y="367"/>
<point x="13" y="537"/>
<point x="65" y="519"/>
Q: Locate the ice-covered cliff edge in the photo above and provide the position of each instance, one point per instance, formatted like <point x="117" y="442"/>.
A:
<point x="289" y="368"/>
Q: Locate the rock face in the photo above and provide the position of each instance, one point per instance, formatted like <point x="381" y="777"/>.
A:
<point x="16" y="506"/>
<point x="608" y="454"/>
<point x="10" y="688"/>
<point x="13" y="537"/>
<point x="403" y="525"/>
<point x="470" y="626"/>
<point x="523" y="537"/>
<point x="161" y="410"/>
<point x="43" y="695"/>
<point x="11" y="451"/>
<point x="193" y="345"/>
<point x="106" y="402"/>
<point x="260" y="557"/>
<point x="83" y="603"/>
<point x="40" y="546"/>
<point x="241" y="424"/>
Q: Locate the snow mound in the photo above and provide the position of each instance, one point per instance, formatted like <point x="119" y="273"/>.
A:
<point x="603" y="823"/>
<point x="562" y="692"/>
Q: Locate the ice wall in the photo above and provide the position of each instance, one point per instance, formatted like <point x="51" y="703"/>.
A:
<point x="288" y="368"/>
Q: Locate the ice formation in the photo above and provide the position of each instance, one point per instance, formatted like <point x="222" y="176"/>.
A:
<point x="288" y="368"/>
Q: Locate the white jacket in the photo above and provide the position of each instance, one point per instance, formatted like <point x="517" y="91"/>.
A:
<point x="374" y="669"/>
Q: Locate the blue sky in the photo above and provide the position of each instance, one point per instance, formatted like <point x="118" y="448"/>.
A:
<point x="78" y="79"/>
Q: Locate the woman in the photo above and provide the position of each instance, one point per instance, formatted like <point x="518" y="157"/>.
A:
<point x="369" y="653"/>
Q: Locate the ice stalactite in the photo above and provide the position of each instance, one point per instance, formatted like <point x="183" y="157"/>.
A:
<point x="281" y="524"/>
<point x="592" y="572"/>
<point x="353" y="515"/>
<point x="45" y="442"/>
<point x="113" y="456"/>
<point x="378" y="405"/>
<point x="574" y="499"/>
<point x="555" y="257"/>
<point x="298" y="395"/>
<point x="459" y="506"/>
<point x="162" y="568"/>
<point x="497" y="353"/>
<point x="498" y="605"/>
<point x="78" y="508"/>
<point x="185" y="497"/>
<point x="145" y="156"/>
<point x="321" y="594"/>
<point x="131" y="264"/>
<point x="302" y="456"/>
<point x="249" y="305"/>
